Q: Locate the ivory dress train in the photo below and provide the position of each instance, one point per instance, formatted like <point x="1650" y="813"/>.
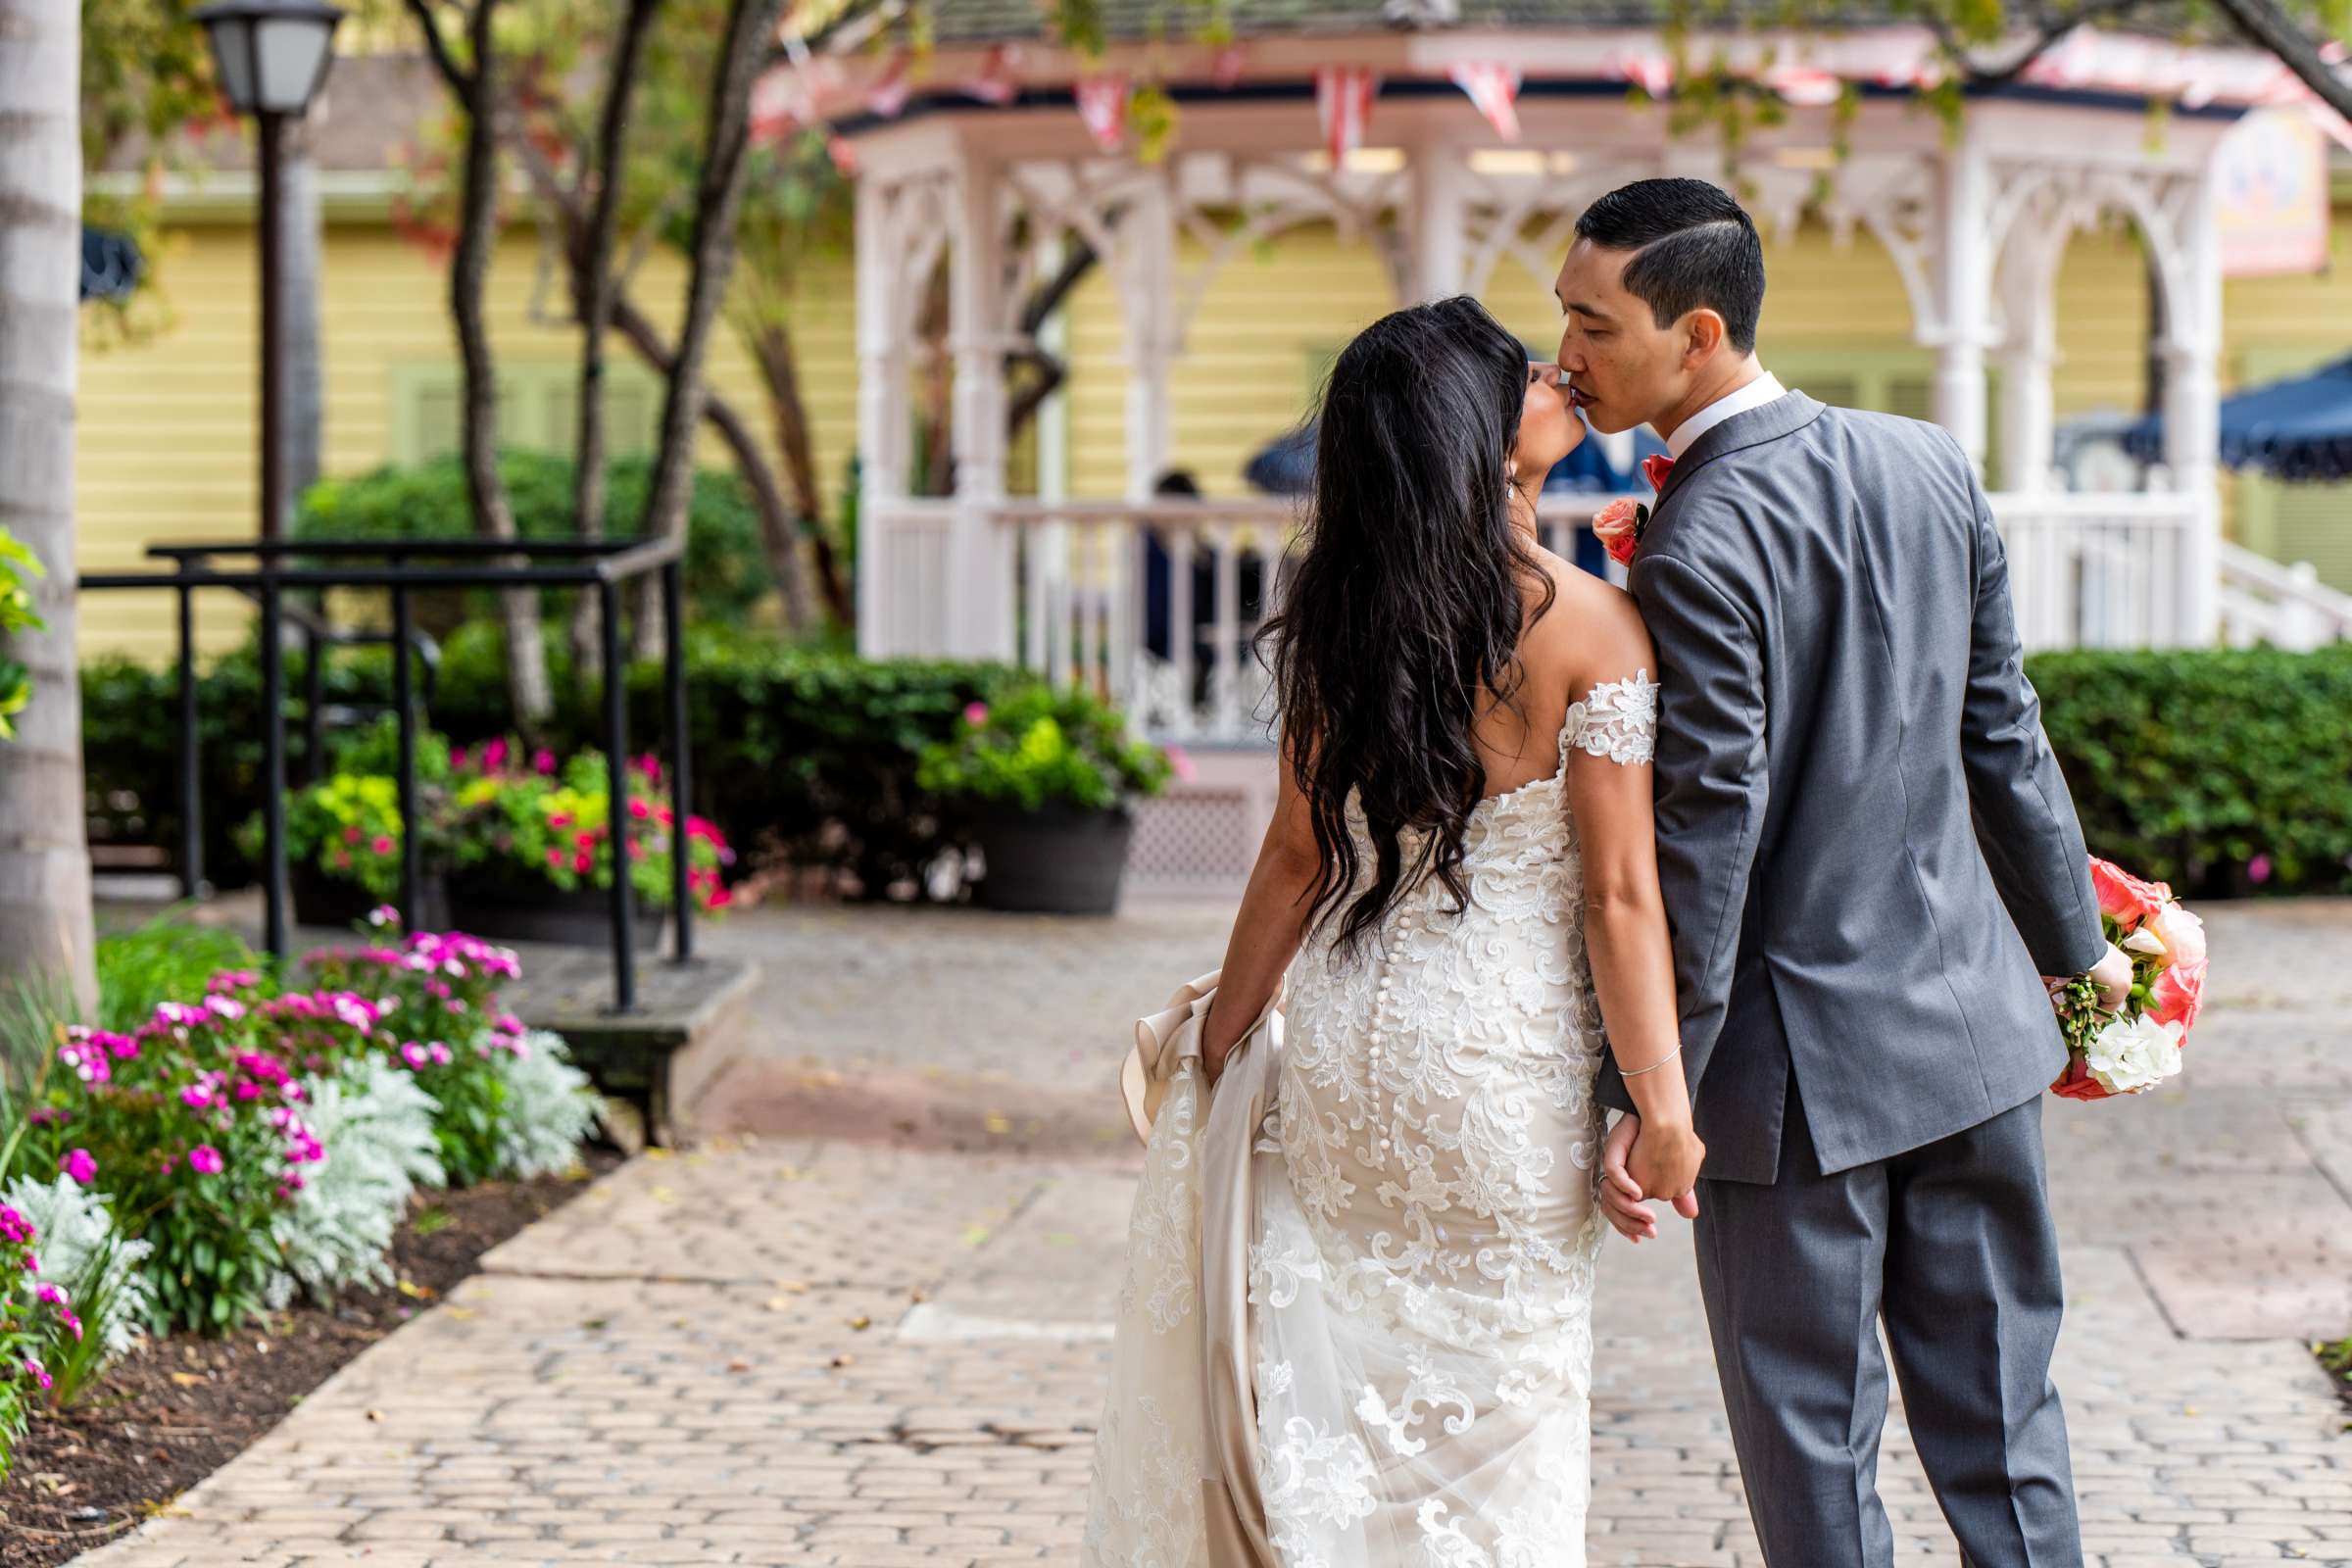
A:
<point x="1412" y="1183"/>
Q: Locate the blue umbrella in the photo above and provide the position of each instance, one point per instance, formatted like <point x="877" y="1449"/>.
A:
<point x="2295" y="430"/>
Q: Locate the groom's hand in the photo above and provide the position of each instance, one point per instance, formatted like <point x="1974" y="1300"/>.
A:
<point x="1662" y="1157"/>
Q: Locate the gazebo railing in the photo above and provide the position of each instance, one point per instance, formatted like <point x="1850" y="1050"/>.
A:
<point x="1070" y="589"/>
<point x="2265" y="601"/>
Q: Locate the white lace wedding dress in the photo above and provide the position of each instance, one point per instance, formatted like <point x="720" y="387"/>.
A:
<point x="1423" y="1233"/>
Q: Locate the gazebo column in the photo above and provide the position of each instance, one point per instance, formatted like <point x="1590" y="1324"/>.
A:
<point x="1147" y="242"/>
<point x="2193" y="408"/>
<point x="1963" y="296"/>
<point x="980" y="549"/>
<point x="882" y="411"/>
<point x="2028" y="347"/>
<point x="1438" y="199"/>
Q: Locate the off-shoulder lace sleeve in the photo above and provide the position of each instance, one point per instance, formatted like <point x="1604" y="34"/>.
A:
<point x="1618" y="719"/>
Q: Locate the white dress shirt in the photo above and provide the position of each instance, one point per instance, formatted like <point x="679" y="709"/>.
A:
<point x="1762" y="390"/>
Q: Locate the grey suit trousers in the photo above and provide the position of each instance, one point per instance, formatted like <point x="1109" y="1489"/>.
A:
<point x="1953" y="1246"/>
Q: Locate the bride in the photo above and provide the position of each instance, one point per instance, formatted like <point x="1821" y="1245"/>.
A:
<point x="1457" y="894"/>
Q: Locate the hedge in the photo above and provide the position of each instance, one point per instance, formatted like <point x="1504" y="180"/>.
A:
<point x="803" y="754"/>
<point x="2222" y="773"/>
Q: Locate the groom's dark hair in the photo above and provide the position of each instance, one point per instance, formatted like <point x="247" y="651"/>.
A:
<point x="1694" y="246"/>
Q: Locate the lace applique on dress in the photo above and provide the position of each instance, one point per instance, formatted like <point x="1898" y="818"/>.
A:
<point x="1618" y="719"/>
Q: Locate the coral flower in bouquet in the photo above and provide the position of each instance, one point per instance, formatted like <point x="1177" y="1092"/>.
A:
<point x="2135" y="1048"/>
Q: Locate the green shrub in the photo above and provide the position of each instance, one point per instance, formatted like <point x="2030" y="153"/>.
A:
<point x="2221" y="772"/>
<point x="1035" y="746"/>
<point x="804" y="753"/>
<point x="726" y="568"/>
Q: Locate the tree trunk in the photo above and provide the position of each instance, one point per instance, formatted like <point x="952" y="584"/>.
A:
<point x="770" y="342"/>
<point x="45" y="921"/>
<point x="528" y="686"/>
<point x="637" y="329"/>
<point x="592" y="288"/>
<point x="718" y="196"/>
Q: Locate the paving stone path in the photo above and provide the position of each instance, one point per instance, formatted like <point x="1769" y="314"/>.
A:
<point x="794" y="1346"/>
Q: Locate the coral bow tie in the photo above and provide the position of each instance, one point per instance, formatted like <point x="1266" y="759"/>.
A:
<point x="1655" y="467"/>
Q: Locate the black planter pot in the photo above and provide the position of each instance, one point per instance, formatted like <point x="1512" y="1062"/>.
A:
<point x="518" y="909"/>
<point x="1059" y="859"/>
<point x="320" y="899"/>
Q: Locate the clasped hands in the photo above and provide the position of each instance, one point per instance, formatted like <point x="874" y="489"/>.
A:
<point x="1638" y="1164"/>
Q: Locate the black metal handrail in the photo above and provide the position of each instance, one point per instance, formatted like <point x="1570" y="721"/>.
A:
<point x="600" y="564"/>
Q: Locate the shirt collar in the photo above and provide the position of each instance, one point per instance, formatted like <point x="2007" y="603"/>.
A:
<point x="1762" y="390"/>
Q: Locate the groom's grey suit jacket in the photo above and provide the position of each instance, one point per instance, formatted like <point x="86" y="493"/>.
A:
<point x="1867" y="851"/>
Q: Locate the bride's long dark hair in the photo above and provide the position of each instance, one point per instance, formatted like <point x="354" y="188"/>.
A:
<point x="1404" y="613"/>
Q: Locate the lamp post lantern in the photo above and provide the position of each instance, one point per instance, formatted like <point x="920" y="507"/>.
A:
<point x="271" y="57"/>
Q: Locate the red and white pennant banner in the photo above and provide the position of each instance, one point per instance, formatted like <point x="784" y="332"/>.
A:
<point x="997" y="83"/>
<point x="1343" y="105"/>
<point x="1494" y="89"/>
<point x="1103" y="108"/>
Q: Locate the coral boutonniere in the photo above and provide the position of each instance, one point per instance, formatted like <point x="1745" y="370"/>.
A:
<point x="1619" y="526"/>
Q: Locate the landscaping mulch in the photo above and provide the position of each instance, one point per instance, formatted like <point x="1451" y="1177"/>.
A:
<point x="179" y="1408"/>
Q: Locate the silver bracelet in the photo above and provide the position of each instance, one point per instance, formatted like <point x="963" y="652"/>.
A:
<point x="1654" y="1066"/>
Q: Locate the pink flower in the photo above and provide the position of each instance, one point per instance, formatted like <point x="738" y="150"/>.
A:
<point x="558" y="820"/>
<point x="975" y="714"/>
<point x="1618" y="526"/>
<point x="80" y="1166"/>
<point x="205" y="1160"/>
<point x="40" y="1373"/>
<point x="2178" y="994"/>
<point x="2182" y="933"/>
<point x="2124" y="897"/>
<point x="494" y="754"/>
<point x="383" y="844"/>
<point x="1180" y="761"/>
<point x="14" y="1227"/>
<point x="639" y="809"/>
<point x="583" y="863"/>
<point x="554" y="857"/>
<point x="2258" y="869"/>
<point x="543" y="760"/>
<point x="352" y="835"/>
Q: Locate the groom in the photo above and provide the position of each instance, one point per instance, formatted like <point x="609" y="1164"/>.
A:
<point x="1869" y="856"/>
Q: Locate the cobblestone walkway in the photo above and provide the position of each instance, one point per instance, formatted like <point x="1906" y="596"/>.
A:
<point x="793" y="1348"/>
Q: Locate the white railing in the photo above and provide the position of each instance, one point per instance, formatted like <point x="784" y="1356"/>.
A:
<point x="2287" y="607"/>
<point x="1061" y="588"/>
<point x="2101" y="570"/>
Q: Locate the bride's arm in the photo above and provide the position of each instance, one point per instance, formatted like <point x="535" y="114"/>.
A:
<point x="1626" y="934"/>
<point x="1269" y="926"/>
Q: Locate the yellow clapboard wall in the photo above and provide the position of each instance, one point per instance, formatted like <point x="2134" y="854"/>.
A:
<point x="168" y="426"/>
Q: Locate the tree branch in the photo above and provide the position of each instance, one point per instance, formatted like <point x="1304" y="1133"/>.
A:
<point x="2266" y="24"/>
<point x="458" y="79"/>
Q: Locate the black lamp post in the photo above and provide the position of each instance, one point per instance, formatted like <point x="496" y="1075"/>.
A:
<point x="271" y="57"/>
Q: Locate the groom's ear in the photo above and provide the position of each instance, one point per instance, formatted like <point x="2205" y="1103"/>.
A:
<point x="1703" y="333"/>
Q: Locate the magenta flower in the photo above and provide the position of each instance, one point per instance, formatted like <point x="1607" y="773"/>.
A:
<point x="205" y="1160"/>
<point x="14" y="1227"/>
<point x="2258" y="869"/>
<point x="543" y="760"/>
<point x="79" y="1165"/>
<point x="40" y="1373"/>
<point x="975" y="714"/>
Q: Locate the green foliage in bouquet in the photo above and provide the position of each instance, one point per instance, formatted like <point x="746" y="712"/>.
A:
<point x="1034" y="745"/>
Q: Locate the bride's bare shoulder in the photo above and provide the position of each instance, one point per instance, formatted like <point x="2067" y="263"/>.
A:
<point x="1593" y="632"/>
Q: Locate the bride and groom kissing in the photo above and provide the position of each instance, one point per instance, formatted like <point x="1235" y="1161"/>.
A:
<point x="1767" y="852"/>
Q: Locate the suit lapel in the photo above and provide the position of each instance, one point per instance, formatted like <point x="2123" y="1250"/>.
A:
<point x="1785" y="414"/>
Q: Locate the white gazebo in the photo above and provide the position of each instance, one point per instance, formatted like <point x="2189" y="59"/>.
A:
<point x="1004" y="153"/>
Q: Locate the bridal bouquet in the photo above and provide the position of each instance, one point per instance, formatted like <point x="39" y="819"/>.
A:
<point x="2132" y="1051"/>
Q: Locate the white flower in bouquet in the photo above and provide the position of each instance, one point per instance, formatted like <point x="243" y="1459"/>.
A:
<point x="2134" y="1054"/>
